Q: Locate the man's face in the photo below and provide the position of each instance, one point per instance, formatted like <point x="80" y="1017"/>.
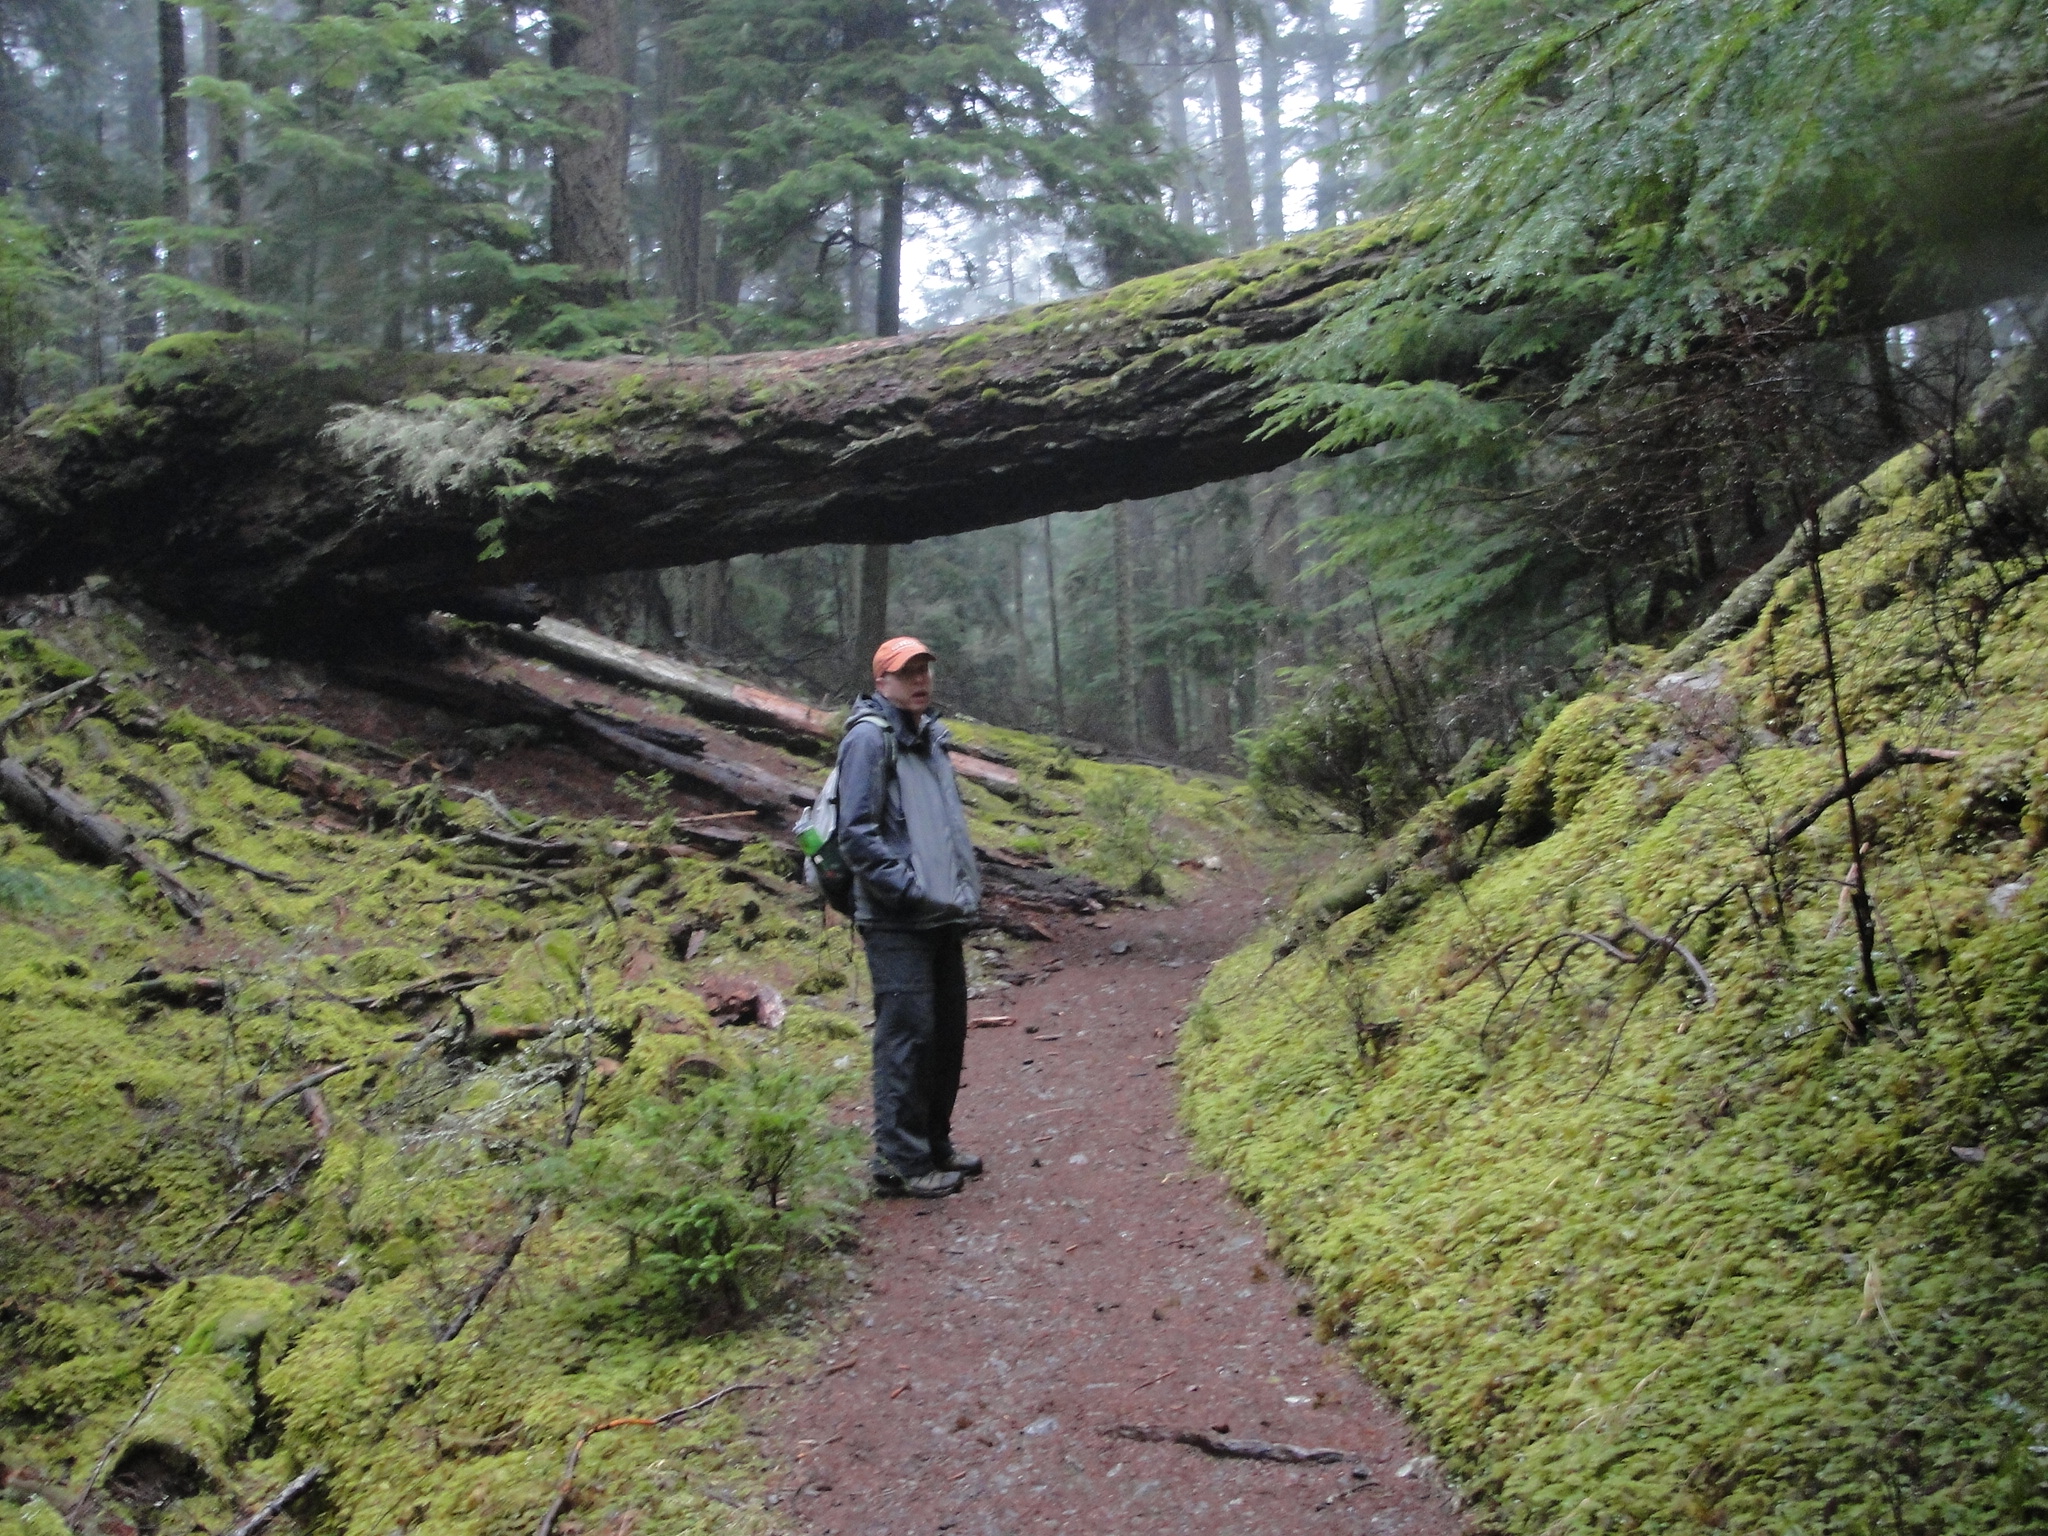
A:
<point x="910" y="686"/>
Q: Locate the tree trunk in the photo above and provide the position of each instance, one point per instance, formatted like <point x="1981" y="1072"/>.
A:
<point x="1020" y="626"/>
<point x="1240" y="225"/>
<point x="874" y="613"/>
<point x="1383" y="80"/>
<point x="177" y="133"/>
<point x="889" y="260"/>
<point x="1329" y="58"/>
<point x="680" y="183"/>
<point x="1272" y="132"/>
<point x="231" y="269"/>
<point x="587" y="211"/>
<point x="212" y="483"/>
<point x="1154" y="704"/>
<point x="1186" y="174"/>
<point x="1052" y="626"/>
<point x="1126" y="583"/>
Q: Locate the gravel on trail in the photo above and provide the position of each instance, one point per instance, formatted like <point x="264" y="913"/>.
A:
<point x="1095" y="1280"/>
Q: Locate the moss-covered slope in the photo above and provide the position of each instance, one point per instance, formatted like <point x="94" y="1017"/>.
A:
<point x="1642" y="1255"/>
<point x="223" y="1264"/>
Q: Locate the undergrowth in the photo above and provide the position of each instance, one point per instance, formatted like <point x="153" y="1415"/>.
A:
<point x="425" y="1153"/>
<point x="1572" y="1101"/>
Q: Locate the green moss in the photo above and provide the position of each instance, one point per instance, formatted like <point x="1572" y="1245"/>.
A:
<point x="147" y="1131"/>
<point x="1636" y="1262"/>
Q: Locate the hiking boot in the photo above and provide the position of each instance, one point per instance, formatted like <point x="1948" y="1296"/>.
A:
<point x="935" y="1185"/>
<point x="964" y="1163"/>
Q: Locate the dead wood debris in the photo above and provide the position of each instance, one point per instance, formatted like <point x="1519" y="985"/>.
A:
<point x="67" y="818"/>
<point x="1883" y="761"/>
<point x="277" y="1503"/>
<point x="1227" y="1446"/>
<point x="666" y="1420"/>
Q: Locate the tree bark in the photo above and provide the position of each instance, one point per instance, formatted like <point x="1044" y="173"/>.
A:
<point x="587" y="214"/>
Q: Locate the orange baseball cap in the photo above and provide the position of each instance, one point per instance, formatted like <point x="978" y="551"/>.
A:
<point x="895" y="655"/>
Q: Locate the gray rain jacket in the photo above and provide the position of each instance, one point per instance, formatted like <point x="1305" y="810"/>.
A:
<point x="903" y="831"/>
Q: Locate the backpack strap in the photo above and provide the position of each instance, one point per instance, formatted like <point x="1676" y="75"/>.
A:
<point x="888" y="753"/>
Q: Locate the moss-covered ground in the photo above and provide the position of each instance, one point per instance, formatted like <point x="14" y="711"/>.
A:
<point x="210" y="1283"/>
<point x="1746" y="1249"/>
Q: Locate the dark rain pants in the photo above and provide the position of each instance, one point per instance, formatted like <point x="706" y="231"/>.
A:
<point x="920" y="980"/>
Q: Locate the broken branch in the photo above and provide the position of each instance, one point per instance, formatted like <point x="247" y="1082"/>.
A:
<point x="41" y="701"/>
<point x="276" y="1506"/>
<point x="1883" y="761"/>
<point x="305" y="1084"/>
<point x="659" y="1421"/>
<point x="52" y="809"/>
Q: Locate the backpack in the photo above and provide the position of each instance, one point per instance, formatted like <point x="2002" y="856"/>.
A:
<point x="817" y="834"/>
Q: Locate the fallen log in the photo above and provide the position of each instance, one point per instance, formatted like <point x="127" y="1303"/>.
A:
<point x="750" y="786"/>
<point x="68" y="819"/>
<point x="713" y="694"/>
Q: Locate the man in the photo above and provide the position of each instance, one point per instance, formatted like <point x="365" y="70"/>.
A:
<point x="903" y="833"/>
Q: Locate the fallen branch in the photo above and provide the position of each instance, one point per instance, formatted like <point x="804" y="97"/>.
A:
<point x="1225" y="1446"/>
<point x="1883" y="761"/>
<point x="185" y="833"/>
<point x="427" y="990"/>
<point x="659" y="1421"/>
<point x="56" y="811"/>
<point x="482" y="1293"/>
<point x="1671" y="946"/>
<point x="42" y="701"/>
<point x="298" y="1171"/>
<point x="1651" y="938"/>
<point x="106" y="1454"/>
<point x="305" y="1084"/>
<point x="276" y="1506"/>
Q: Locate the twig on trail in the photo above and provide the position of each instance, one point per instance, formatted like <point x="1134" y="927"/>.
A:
<point x="304" y="1085"/>
<point x="1226" y="1446"/>
<point x="1154" y="1381"/>
<point x="677" y="1415"/>
<point x="276" y="1506"/>
<point x="112" y="1445"/>
<point x="1883" y="761"/>
<point x="659" y="1421"/>
<point x="42" y="701"/>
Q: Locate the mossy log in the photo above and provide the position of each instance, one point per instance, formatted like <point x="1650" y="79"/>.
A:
<point x="240" y="479"/>
<point x="247" y="481"/>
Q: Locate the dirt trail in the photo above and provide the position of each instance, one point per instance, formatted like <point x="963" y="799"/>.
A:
<point x="1093" y="1278"/>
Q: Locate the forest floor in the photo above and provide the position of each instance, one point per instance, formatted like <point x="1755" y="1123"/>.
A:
<point x="1093" y="1279"/>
